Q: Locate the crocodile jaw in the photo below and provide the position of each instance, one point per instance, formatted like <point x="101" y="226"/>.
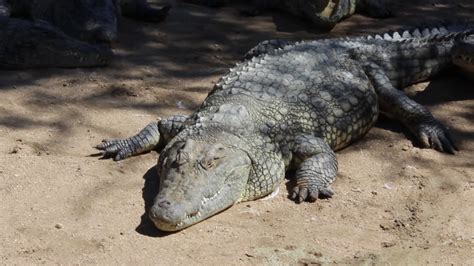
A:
<point x="190" y="193"/>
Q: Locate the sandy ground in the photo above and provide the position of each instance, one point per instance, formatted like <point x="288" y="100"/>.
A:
<point x="394" y="203"/>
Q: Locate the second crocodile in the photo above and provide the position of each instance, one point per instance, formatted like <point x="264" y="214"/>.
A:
<point x="64" y="33"/>
<point x="322" y="13"/>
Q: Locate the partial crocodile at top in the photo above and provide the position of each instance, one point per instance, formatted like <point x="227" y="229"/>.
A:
<point x="86" y="20"/>
<point x="322" y="13"/>
<point x="290" y="106"/>
<point x="64" y="33"/>
<point x="25" y="44"/>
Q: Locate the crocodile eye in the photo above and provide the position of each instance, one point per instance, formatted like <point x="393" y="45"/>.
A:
<point x="207" y="164"/>
<point x="182" y="158"/>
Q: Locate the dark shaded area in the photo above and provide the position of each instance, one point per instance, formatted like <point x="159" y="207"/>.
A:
<point x="169" y="51"/>
<point x="173" y="54"/>
<point x="149" y="191"/>
<point x="449" y="86"/>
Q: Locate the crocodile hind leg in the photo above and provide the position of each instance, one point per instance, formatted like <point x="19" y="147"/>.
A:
<point x="142" y="10"/>
<point x="428" y="131"/>
<point x="154" y="136"/>
<point x="317" y="168"/>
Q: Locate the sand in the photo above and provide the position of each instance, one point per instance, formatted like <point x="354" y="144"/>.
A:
<point x="395" y="203"/>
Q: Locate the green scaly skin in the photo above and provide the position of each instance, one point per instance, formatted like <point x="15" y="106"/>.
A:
<point x="291" y="105"/>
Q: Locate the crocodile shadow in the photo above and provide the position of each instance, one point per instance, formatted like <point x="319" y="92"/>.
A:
<point x="149" y="191"/>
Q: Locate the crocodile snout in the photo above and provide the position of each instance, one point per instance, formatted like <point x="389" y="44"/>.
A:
<point x="166" y="216"/>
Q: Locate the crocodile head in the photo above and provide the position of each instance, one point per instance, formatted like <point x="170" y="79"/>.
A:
<point x="87" y="20"/>
<point x="39" y="44"/>
<point x="463" y="54"/>
<point x="198" y="179"/>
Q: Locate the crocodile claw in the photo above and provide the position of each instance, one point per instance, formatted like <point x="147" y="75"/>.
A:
<point x="433" y="134"/>
<point x="310" y="193"/>
<point x="116" y="149"/>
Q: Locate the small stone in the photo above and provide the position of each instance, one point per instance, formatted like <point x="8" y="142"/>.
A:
<point x="316" y="253"/>
<point x="15" y="150"/>
<point x="374" y="192"/>
<point x="384" y="227"/>
<point x="388" y="244"/>
<point x="58" y="226"/>
<point x="180" y="105"/>
<point x="388" y="186"/>
<point x="307" y="262"/>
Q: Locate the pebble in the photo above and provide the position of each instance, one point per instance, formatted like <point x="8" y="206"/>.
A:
<point x="58" y="226"/>
<point x="388" y="186"/>
<point x="388" y="244"/>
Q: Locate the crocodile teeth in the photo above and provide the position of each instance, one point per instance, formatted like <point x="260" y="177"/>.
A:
<point x="396" y="36"/>
<point x="416" y="33"/>
<point x="206" y="199"/>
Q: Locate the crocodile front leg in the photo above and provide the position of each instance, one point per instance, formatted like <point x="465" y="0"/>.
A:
<point x="154" y="136"/>
<point x="317" y="168"/>
<point x="427" y="129"/>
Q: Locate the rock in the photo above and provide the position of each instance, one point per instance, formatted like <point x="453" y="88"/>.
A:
<point x="388" y="244"/>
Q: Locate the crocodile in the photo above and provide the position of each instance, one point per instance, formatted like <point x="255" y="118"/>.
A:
<point x="64" y="33"/>
<point x="290" y="106"/>
<point x="322" y="13"/>
<point x="26" y="44"/>
<point x="87" y="20"/>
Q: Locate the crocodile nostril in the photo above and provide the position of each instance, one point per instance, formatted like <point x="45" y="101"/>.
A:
<point x="164" y="203"/>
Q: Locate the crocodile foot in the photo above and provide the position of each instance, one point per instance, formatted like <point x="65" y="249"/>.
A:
<point x="432" y="134"/>
<point x="118" y="149"/>
<point x="310" y="192"/>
